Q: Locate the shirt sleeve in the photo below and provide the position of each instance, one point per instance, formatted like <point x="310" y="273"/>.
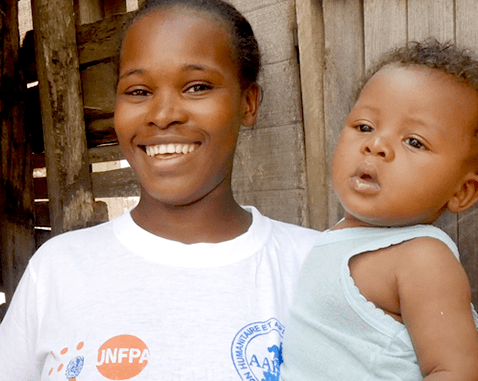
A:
<point x="18" y="334"/>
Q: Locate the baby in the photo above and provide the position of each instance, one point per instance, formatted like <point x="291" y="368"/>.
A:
<point x="382" y="295"/>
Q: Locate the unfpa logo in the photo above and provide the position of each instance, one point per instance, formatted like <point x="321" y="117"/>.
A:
<point x="257" y="351"/>
<point x="122" y="357"/>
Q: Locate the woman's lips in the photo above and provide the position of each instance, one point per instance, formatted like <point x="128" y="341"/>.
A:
<point x="169" y="149"/>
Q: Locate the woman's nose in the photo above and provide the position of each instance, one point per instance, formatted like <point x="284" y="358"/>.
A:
<point x="166" y="109"/>
<point x="379" y="146"/>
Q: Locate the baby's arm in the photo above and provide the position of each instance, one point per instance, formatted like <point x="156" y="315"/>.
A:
<point x="434" y="298"/>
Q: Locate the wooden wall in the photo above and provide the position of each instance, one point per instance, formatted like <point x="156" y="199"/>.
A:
<point x="338" y="41"/>
<point x="16" y="180"/>
<point x="314" y="52"/>
<point x="269" y="169"/>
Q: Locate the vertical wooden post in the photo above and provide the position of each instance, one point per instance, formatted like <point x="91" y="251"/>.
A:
<point x="312" y="56"/>
<point x="17" y="240"/>
<point x="68" y="174"/>
<point x="467" y="35"/>
<point x="344" y="64"/>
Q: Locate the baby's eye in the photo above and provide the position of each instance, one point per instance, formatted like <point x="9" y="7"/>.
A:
<point x="364" y="128"/>
<point x="198" y="88"/>
<point x="415" y="143"/>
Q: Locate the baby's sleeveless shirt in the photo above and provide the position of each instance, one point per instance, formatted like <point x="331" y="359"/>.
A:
<point x="333" y="332"/>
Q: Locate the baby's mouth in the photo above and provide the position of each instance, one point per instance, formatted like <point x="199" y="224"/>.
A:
<point x="170" y="149"/>
<point x="365" y="181"/>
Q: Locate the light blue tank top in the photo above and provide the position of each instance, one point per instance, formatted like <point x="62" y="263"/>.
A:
<point x="333" y="332"/>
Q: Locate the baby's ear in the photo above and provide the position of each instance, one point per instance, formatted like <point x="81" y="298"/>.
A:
<point x="467" y="196"/>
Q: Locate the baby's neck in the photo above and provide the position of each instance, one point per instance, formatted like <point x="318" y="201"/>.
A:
<point x="351" y="222"/>
<point x="346" y="223"/>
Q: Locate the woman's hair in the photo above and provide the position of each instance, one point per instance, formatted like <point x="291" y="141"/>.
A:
<point x="245" y="48"/>
<point x="446" y="57"/>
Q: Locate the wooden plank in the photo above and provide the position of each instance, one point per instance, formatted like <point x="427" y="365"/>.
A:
<point x="310" y="38"/>
<point x="16" y="175"/>
<point x="42" y="215"/>
<point x="467" y="35"/>
<point x="468" y="246"/>
<point x="431" y="19"/>
<point x="88" y="11"/>
<point x="100" y="131"/>
<point x="38" y="160"/>
<point x="385" y="26"/>
<point x="281" y="104"/>
<point x="269" y="158"/>
<point x="106" y="153"/>
<point x="69" y="183"/>
<point x="99" y="88"/>
<point x="437" y="19"/>
<point x="41" y="188"/>
<point x="466" y="23"/>
<point x="247" y="6"/>
<point x="345" y="67"/>
<point x="115" y="183"/>
<point x="112" y="7"/>
<point x="273" y="27"/>
<point x="96" y="155"/>
<point x="101" y="40"/>
<point x="41" y="236"/>
<point x="283" y="205"/>
<point x="18" y="245"/>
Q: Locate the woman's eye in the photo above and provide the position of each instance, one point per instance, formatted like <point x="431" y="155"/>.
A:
<point x="137" y="92"/>
<point x="198" y="88"/>
<point x="415" y="143"/>
<point x="364" y="128"/>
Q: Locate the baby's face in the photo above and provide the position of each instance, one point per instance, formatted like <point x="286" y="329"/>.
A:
<point x="405" y="147"/>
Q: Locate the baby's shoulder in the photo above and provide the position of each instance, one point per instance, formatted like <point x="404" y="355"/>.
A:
<point x="423" y="256"/>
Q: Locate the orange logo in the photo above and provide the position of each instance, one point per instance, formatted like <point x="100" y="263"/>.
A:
<point x="122" y="357"/>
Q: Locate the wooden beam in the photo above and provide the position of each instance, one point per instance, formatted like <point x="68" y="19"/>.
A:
<point x="467" y="35"/>
<point x="88" y="11"/>
<point x="310" y="35"/>
<point x="42" y="215"/>
<point x="115" y="183"/>
<point x="17" y="241"/>
<point x="385" y="26"/>
<point x="431" y="18"/>
<point x="345" y="67"/>
<point x="69" y="182"/>
<point x="112" y="7"/>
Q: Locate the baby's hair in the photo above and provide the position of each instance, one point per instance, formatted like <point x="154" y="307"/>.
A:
<point x="245" y="46"/>
<point x="446" y="57"/>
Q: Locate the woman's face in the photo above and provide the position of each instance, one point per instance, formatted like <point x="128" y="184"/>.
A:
<point x="179" y="105"/>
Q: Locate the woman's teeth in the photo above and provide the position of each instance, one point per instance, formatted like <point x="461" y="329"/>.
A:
<point x="171" y="148"/>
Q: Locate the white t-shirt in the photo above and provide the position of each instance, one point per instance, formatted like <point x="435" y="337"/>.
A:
<point x="116" y="302"/>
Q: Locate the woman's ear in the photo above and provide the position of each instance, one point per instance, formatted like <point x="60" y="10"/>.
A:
<point x="467" y="195"/>
<point x="250" y="104"/>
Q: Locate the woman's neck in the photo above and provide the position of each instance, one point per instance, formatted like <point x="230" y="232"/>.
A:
<point x="203" y="221"/>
